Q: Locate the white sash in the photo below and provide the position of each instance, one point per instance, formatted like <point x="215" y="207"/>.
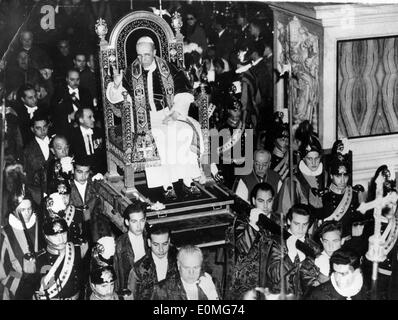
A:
<point x="343" y="206"/>
<point x="69" y="214"/>
<point x="68" y="256"/>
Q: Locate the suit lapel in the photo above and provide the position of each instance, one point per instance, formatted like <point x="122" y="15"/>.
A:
<point x="37" y="150"/>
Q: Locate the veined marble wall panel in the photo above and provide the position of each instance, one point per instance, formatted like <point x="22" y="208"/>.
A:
<point x="367" y="87"/>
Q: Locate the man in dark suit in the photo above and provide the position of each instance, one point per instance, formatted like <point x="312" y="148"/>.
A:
<point x="132" y="245"/>
<point x="157" y="265"/>
<point x="85" y="198"/>
<point x="25" y="108"/>
<point x="87" y="77"/>
<point x="224" y="42"/>
<point x="37" y="156"/>
<point x="67" y="100"/>
<point x="88" y="141"/>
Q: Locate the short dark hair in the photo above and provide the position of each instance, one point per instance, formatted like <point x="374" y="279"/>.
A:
<point x="301" y="209"/>
<point x="79" y="113"/>
<point x="346" y="257"/>
<point x="134" y="207"/>
<point x="39" y="116"/>
<point x="22" y="89"/>
<point x="157" y="229"/>
<point x="261" y="186"/>
<point x="330" y="226"/>
<point x="84" y="161"/>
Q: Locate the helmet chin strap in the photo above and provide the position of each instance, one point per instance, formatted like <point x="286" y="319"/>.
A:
<point x="51" y="249"/>
<point x="98" y="295"/>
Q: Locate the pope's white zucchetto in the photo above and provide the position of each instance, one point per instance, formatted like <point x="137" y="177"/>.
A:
<point x="145" y="40"/>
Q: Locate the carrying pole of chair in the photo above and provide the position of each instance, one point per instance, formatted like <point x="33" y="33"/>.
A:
<point x="2" y="145"/>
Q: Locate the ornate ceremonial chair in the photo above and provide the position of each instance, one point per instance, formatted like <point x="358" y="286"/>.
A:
<point x="125" y="149"/>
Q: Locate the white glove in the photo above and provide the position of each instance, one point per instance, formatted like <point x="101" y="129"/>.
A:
<point x="98" y="176"/>
<point x="207" y="285"/>
<point x="254" y="215"/>
<point x="292" y="250"/>
<point x="67" y="164"/>
<point x="29" y="266"/>
<point x="291" y="247"/>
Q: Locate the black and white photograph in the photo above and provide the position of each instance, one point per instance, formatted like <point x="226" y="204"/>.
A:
<point x="217" y="151"/>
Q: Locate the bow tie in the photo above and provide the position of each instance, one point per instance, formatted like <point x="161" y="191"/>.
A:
<point x="73" y="91"/>
<point x="31" y="110"/>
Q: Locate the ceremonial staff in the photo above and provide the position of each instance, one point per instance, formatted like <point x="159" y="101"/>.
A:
<point x="2" y="142"/>
<point x="377" y="245"/>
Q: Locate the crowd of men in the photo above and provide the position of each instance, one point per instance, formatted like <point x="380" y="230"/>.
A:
<point x="305" y="227"/>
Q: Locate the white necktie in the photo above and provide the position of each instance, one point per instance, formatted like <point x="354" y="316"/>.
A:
<point x="89" y="141"/>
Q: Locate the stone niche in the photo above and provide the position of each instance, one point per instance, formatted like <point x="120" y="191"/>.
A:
<point x="344" y="60"/>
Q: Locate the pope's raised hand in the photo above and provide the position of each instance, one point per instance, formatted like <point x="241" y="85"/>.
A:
<point x="117" y="77"/>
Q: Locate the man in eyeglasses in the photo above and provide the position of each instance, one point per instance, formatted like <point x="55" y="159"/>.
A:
<point x="261" y="173"/>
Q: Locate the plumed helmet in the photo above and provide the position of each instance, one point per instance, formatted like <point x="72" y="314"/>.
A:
<point x="54" y="226"/>
<point x="103" y="275"/>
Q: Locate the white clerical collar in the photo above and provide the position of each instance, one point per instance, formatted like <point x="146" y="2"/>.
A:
<point x="221" y="32"/>
<point x="15" y="223"/>
<point x="351" y="291"/>
<point x="86" y="131"/>
<point x="152" y="66"/>
<point x="307" y="172"/>
<point x="257" y="61"/>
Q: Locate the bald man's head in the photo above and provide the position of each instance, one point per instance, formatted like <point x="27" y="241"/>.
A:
<point x="262" y="162"/>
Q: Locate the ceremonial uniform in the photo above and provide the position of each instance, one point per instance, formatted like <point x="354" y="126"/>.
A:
<point x="252" y="248"/>
<point x="300" y="275"/>
<point x="60" y="267"/>
<point x="13" y="246"/>
<point x="66" y="280"/>
<point x="144" y="277"/>
<point x="303" y="181"/>
<point x="228" y="159"/>
<point x="341" y="208"/>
